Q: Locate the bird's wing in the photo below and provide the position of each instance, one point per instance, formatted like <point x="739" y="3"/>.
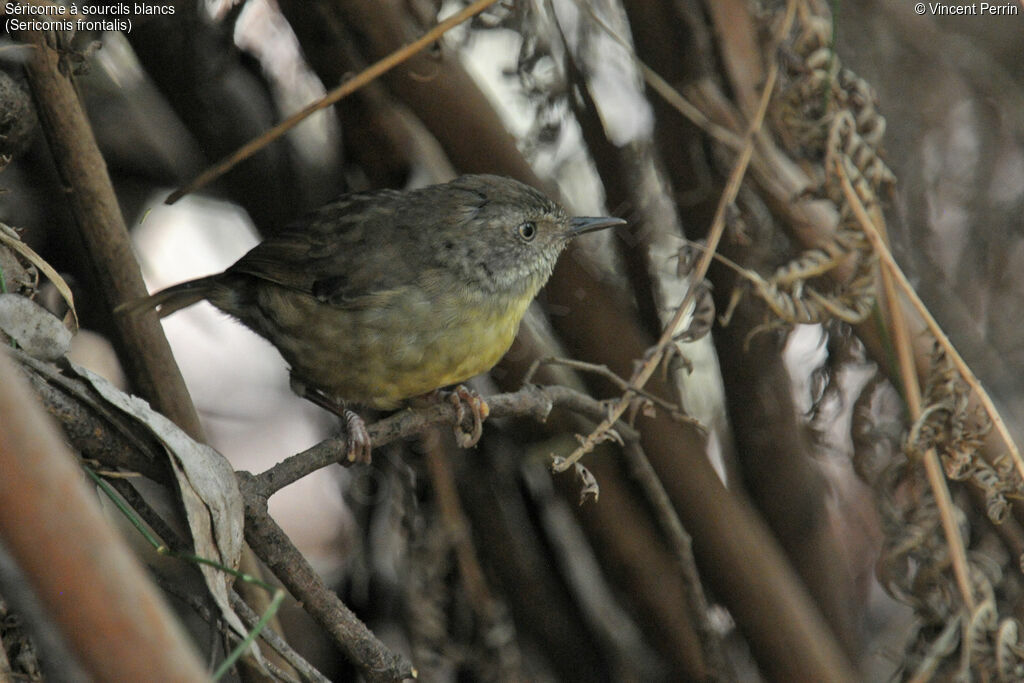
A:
<point x="341" y="253"/>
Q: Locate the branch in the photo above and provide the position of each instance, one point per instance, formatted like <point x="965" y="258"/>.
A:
<point x="89" y="581"/>
<point x="344" y="90"/>
<point x="533" y="401"/>
<point x="91" y="430"/>
<point x="83" y="172"/>
<point x="272" y="545"/>
<point x="653" y="359"/>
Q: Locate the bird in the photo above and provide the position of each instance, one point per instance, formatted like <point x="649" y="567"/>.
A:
<point x="382" y="296"/>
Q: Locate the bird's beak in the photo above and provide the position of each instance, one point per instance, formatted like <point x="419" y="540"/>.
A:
<point x="580" y="226"/>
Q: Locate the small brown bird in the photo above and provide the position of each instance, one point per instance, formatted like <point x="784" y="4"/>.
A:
<point x="382" y="296"/>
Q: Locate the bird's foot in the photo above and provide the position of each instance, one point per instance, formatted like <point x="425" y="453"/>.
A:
<point x="357" y="438"/>
<point x="358" y="446"/>
<point x="462" y="398"/>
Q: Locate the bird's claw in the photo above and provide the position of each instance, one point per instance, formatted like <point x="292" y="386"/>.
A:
<point x="462" y="397"/>
<point x="357" y="439"/>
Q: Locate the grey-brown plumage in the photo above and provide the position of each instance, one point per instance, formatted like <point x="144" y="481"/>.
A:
<point x="381" y="296"/>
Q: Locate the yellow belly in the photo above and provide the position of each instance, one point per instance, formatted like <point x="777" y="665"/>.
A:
<point x="379" y="357"/>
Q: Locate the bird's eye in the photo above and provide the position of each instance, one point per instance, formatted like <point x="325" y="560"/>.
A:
<point x="527" y="231"/>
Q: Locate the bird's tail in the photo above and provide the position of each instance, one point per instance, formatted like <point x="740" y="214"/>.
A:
<point x="172" y="299"/>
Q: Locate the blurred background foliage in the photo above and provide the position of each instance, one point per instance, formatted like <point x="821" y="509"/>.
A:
<point x="817" y="540"/>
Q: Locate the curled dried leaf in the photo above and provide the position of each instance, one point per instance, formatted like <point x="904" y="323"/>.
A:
<point x="589" y="488"/>
<point x="9" y="237"/>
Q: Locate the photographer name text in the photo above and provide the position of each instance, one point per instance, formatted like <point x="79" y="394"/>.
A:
<point x="971" y="9"/>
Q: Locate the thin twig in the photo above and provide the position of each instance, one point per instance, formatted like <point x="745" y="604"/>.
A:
<point x="681" y="544"/>
<point x="601" y="371"/>
<point x="655" y="357"/>
<point x="275" y="641"/>
<point x="533" y="401"/>
<point x="274" y="547"/>
<point x="672" y="96"/>
<point x="457" y="529"/>
<point x="958" y="362"/>
<point x="912" y="391"/>
<point x="369" y="74"/>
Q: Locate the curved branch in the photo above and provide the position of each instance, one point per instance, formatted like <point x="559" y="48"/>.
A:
<point x="533" y="401"/>
<point x="102" y="601"/>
